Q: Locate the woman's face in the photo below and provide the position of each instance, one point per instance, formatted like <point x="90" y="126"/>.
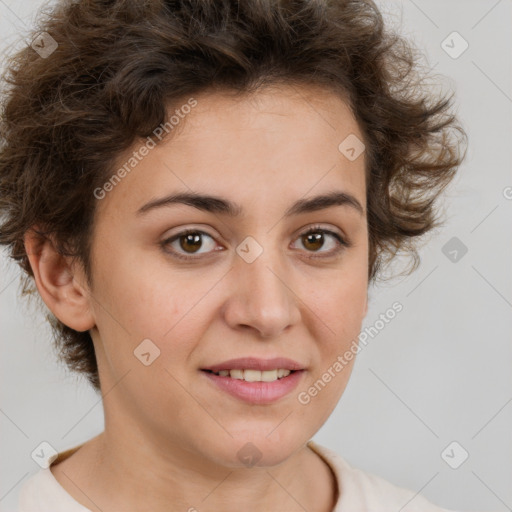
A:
<point x="248" y="283"/>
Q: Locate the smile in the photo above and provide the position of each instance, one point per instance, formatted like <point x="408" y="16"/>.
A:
<point x="255" y="375"/>
<point x="249" y="385"/>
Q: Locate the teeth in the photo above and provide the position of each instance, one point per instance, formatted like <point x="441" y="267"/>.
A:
<point x="255" y="375"/>
<point x="236" y="374"/>
<point x="268" y="376"/>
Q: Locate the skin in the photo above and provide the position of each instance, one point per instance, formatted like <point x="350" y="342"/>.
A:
<point x="171" y="436"/>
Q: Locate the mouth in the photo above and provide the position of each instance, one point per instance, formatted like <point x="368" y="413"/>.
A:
<point x="249" y="375"/>
<point x="255" y="381"/>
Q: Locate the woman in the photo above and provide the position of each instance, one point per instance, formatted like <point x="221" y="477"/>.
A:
<point x="201" y="193"/>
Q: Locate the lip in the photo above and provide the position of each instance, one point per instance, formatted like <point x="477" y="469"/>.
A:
<point x="254" y="363"/>
<point x="256" y="392"/>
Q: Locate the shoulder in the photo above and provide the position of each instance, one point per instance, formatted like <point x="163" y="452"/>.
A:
<point x="365" y="492"/>
<point x="43" y="493"/>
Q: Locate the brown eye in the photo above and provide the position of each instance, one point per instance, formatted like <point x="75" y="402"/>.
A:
<point x="313" y="241"/>
<point x="188" y="242"/>
<point x="317" y="238"/>
<point x="191" y="242"/>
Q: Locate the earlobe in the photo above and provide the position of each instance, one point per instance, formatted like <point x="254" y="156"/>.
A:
<point x="58" y="283"/>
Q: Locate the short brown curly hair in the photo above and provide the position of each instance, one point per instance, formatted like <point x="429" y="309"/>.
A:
<point x="121" y="64"/>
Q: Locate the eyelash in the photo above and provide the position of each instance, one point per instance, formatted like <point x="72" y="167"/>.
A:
<point x="342" y="242"/>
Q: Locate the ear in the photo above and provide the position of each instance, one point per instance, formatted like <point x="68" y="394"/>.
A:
<point x="60" y="283"/>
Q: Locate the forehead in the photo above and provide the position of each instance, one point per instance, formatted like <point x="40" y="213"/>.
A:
<point x="307" y="112"/>
<point x="281" y="137"/>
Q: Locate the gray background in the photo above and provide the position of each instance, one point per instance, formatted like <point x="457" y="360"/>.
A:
<point x="439" y="372"/>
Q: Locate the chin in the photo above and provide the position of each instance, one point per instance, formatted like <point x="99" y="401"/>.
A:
<point x="258" y="448"/>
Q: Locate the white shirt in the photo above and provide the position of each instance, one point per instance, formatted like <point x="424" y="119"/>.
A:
<point x="358" y="491"/>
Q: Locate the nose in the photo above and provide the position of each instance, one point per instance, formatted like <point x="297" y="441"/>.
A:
<point x="262" y="298"/>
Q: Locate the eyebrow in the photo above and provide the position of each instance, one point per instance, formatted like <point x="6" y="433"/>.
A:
<point x="220" y="205"/>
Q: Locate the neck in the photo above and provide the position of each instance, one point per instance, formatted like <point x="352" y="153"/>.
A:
<point x="113" y="472"/>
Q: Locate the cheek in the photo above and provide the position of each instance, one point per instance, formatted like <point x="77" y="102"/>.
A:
<point x="339" y="301"/>
<point x="145" y="298"/>
<point x="340" y="308"/>
<point x="151" y="302"/>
